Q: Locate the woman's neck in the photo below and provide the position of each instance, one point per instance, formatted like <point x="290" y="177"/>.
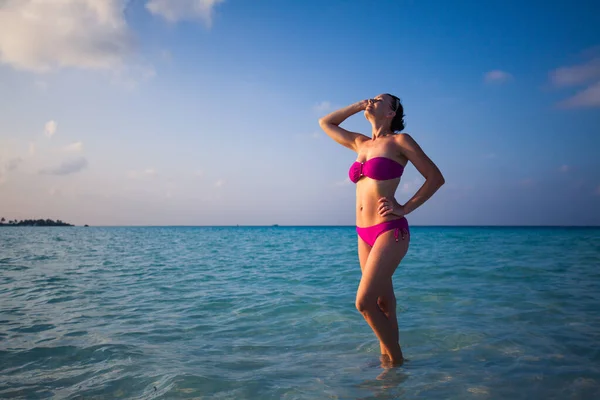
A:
<point x="380" y="131"/>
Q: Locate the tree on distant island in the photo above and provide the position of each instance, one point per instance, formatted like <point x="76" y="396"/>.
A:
<point x="34" y="222"/>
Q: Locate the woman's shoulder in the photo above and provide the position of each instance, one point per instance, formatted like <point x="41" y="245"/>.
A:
<point x="403" y="137"/>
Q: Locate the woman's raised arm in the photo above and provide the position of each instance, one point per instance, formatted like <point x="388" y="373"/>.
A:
<point x="331" y="125"/>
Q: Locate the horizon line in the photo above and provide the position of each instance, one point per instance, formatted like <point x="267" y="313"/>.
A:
<point x="336" y="226"/>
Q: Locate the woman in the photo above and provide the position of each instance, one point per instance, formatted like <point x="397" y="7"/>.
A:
<point x="383" y="234"/>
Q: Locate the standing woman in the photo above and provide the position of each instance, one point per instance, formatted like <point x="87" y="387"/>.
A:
<point x="383" y="233"/>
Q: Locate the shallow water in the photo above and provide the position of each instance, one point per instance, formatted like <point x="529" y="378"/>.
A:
<point x="268" y="313"/>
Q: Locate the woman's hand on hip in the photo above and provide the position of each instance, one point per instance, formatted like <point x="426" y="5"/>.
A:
<point x="389" y="206"/>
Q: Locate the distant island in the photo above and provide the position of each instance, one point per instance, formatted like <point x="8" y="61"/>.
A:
<point x="33" y="222"/>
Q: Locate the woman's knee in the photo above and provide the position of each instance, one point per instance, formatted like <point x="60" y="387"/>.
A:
<point x="366" y="303"/>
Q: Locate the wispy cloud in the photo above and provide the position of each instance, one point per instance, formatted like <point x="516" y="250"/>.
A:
<point x="587" y="73"/>
<point x="174" y="11"/>
<point x="344" y="182"/>
<point x="76" y="147"/>
<point x="130" y="76"/>
<point x="67" y="167"/>
<point x="219" y="183"/>
<point x="322" y="107"/>
<point x="412" y="186"/>
<point x="589" y="97"/>
<point x="148" y="172"/>
<point x="576" y="74"/>
<point x="497" y="76"/>
<point x="50" y="128"/>
<point x="32" y="149"/>
<point x="39" y="35"/>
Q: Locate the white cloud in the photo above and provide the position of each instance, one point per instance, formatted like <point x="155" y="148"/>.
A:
<point x="576" y="74"/>
<point x="176" y="10"/>
<point x="31" y="149"/>
<point x="41" y="35"/>
<point x="50" y="128"/>
<point x="497" y="76"/>
<point x="589" y="97"/>
<point x="76" y="147"/>
<point x="199" y="173"/>
<point x="219" y="183"/>
<point x="67" y="167"/>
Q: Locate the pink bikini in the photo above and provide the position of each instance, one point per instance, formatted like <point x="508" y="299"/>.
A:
<point x="379" y="168"/>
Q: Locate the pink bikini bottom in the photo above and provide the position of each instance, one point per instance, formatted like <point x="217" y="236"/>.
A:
<point x="371" y="233"/>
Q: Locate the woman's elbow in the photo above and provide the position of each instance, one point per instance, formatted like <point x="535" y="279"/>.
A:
<point x="437" y="180"/>
<point x="323" y="122"/>
<point x="441" y="180"/>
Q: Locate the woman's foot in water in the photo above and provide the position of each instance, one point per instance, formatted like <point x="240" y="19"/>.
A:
<point x="386" y="361"/>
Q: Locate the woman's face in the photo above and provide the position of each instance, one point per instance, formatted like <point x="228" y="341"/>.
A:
<point x="380" y="106"/>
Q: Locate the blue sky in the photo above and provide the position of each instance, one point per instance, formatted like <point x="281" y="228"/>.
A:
<point x="204" y="112"/>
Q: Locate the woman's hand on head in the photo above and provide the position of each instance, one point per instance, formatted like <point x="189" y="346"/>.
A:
<point x="363" y="104"/>
<point x="389" y="206"/>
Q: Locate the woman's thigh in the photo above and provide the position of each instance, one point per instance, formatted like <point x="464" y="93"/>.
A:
<point x="381" y="263"/>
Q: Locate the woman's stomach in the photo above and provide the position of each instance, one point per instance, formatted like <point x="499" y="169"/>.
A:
<point x="368" y="193"/>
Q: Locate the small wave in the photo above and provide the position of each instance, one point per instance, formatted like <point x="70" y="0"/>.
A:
<point x="61" y="299"/>
<point x="34" y="328"/>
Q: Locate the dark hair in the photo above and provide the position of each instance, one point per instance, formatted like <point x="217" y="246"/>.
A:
<point x="397" y="124"/>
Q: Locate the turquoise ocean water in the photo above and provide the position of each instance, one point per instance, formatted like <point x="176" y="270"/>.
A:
<point x="268" y="313"/>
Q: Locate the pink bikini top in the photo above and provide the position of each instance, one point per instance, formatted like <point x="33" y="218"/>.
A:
<point x="378" y="168"/>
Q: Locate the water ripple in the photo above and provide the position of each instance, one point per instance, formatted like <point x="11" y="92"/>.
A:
<point x="212" y="312"/>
